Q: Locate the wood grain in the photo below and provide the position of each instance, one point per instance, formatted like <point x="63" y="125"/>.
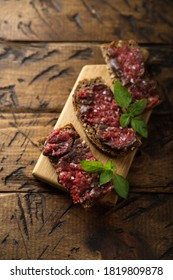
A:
<point x="47" y="226"/>
<point x="19" y="150"/>
<point x="43" y="47"/>
<point x="75" y="20"/>
<point x="39" y="77"/>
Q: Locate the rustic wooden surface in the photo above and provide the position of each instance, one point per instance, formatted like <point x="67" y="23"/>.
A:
<point x="43" y="47"/>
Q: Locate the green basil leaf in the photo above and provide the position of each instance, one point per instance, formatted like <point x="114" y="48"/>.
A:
<point x="105" y="177"/>
<point x="140" y="126"/>
<point x="138" y="107"/>
<point x="121" y="185"/>
<point x="92" y="166"/>
<point x="109" y="165"/>
<point x="124" y="120"/>
<point x="121" y="94"/>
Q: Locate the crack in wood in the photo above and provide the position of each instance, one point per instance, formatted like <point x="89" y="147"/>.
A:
<point x="43" y="20"/>
<point x="26" y="250"/>
<point x="76" y="18"/>
<point x="56" y="227"/>
<point x="83" y="54"/>
<point x="61" y="238"/>
<point x="44" y="72"/>
<point x="5" y="54"/>
<point x="16" y="125"/>
<point x="26" y="28"/>
<point x="42" y="253"/>
<point x="92" y="11"/>
<point x="40" y="209"/>
<point x="22" y="217"/>
<point x="63" y="73"/>
<point x="13" y="138"/>
<point x="56" y="5"/>
<point x="58" y="222"/>
<point x="4" y="240"/>
<point x="28" y="205"/>
<point x="111" y="6"/>
<point x="37" y="56"/>
<point x="29" y="58"/>
<point x="42" y="104"/>
<point x="168" y="254"/>
<point x="8" y="97"/>
<point x="157" y="201"/>
<point x="17" y="173"/>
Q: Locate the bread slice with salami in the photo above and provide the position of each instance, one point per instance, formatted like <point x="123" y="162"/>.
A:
<point x="66" y="150"/>
<point x="99" y="114"/>
<point x="127" y="62"/>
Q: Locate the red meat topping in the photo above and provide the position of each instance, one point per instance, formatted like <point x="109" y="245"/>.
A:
<point x="100" y="110"/>
<point x="128" y="62"/>
<point x="58" y="143"/>
<point x="81" y="185"/>
<point x="145" y="88"/>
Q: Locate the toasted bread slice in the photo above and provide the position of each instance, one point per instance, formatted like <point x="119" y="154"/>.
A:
<point x="99" y="115"/>
<point x="66" y="150"/>
<point x="127" y="62"/>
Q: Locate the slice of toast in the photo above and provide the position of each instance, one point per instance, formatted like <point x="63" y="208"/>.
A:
<point x="118" y="44"/>
<point x="99" y="115"/>
<point x="66" y="150"/>
<point x="127" y="62"/>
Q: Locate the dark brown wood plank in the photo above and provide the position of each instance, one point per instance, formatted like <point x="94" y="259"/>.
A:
<point x="83" y="20"/>
<point x="140" y="228"/>
<point x="39" y="77"/>
<point x="19" y="150"/>
<point x="151" y="170"/>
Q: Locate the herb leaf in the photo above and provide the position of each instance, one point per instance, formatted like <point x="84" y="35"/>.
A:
<point x="121" y="185"/>
<point x="92" y="166"/>
<point x="109" y="165"/>
<point x="140" y="126"/>
<point x="125" y="120"/>
<point x="138" y="107"/>
<point x="105" y="176"/>
<point x="121" y="94"/>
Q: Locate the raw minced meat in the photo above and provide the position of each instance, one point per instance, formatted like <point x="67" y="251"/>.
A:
<point x="127" y="61"/>
<point x="99" y="109"/>
<point x="128" y="64"/>
<point x="83" y="187"/>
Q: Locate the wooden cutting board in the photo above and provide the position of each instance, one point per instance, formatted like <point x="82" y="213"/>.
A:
<point x="44" y="170"/>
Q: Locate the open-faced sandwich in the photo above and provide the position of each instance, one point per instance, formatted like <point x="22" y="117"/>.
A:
<point x="127" y="62"/>
<point x="99" y="114"/>
<point x="66" y="150"/>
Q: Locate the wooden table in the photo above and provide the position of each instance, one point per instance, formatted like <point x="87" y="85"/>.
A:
<point x="43" y="47"/>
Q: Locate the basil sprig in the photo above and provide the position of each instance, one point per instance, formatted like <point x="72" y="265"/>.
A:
<point x="107" y="173"/>
<point x="132" y="112"/>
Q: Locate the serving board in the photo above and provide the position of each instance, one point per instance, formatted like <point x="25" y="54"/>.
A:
<point x="44" y="170"/>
